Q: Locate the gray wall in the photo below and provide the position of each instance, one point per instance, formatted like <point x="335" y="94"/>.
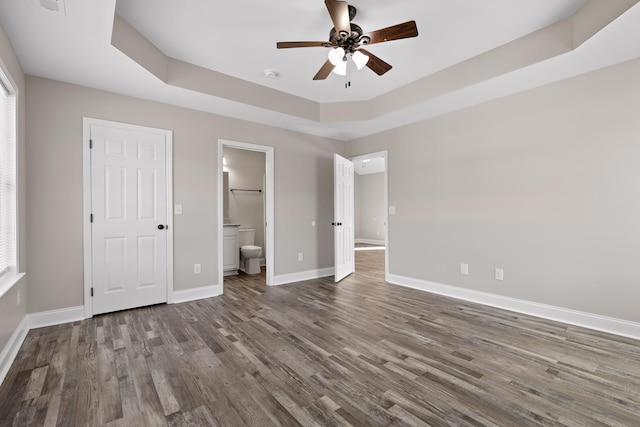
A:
<point x="544" y="184"/>
<point x="369" y="209"/>
<point x="303" y="182"/>
<point x="246" y="170"/>
<point x="11" y="314"/>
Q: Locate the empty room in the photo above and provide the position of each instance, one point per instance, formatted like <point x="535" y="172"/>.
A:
<point x="318" y="213"/>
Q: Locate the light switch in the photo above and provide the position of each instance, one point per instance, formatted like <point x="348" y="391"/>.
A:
<point x="177" y="209"/>
<point x="392" y="210"/>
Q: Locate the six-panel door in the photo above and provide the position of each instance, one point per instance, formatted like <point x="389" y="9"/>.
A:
<point x="129" y="228"/>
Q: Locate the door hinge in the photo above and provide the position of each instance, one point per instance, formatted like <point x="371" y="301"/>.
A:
<point x="91" y="291"/>
<point x="90" y="217"/>
<point x="90" y="143"/>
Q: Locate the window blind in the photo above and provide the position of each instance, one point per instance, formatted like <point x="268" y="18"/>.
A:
<point x="7" y="175"/>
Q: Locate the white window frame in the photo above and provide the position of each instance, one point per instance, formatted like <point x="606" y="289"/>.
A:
<point x="9" y="274"/>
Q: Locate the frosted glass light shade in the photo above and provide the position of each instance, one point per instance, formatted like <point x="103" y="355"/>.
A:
<point x="336" y="55"/>
<point x="360" y="59"/>
<point x="341" y="68"/>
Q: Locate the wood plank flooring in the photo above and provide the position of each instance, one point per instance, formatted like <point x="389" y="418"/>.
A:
<point x="360" y="353"/>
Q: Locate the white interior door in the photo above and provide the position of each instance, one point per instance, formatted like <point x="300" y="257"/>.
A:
<point x="343" y="225"/>
<point x="129" y="218"/>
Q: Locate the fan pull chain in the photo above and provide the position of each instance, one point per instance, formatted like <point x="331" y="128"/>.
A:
<point x="347" y="83"/>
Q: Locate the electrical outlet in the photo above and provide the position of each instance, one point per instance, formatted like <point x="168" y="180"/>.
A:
<point x="197" y="269"/>
<point x="18" y="303"/>
<point x="300" y="256"/>
<point x="499" y="274"/>
<point x="464" y="269"/>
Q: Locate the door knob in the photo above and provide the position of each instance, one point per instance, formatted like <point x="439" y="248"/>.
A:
<point x="161" y="227"/>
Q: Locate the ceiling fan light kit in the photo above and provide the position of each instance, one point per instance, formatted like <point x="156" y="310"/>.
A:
<point x="346" y="40"/>
<point x="340" y="61"/>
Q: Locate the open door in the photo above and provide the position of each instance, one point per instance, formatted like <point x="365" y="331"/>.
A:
<point x="343" y="217"/>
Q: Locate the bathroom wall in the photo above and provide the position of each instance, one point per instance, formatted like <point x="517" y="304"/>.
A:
<point x="225" y="196"/>
<point x="246" y="170"/>
<point x="369" y="208"/>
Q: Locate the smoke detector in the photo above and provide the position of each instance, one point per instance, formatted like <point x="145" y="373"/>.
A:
<point x="52" y="5"/>
<point x="270" y="73"/>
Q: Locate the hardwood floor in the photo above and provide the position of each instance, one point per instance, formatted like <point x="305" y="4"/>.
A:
<point x="358" y="353"/>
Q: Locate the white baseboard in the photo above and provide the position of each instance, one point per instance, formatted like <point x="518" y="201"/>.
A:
<point x="370" y="242"/>
<point x="196" y="293"/>
<point x="587" y="320"/>
<point x="10" y="351"/>
<point x="56" y="317"/>
<point x="283" y="279"/>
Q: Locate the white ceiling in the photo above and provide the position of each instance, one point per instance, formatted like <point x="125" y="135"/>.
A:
<point x="238" y="38"/>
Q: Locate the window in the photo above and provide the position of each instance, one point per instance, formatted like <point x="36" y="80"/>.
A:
<point x="7" y="177"/>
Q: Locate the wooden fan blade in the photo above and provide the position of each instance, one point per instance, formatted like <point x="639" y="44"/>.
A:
<point x="286" y="45"/>
<point x="339" y="11"/>
<point x="376" y="64"/>
<point x="324" y="71"/>
<point x="401" y="31"/>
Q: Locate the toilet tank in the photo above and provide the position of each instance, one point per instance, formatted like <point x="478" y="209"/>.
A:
<point x="246" y="236"/>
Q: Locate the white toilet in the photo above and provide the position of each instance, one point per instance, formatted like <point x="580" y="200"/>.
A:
<point x="249" y="254"/>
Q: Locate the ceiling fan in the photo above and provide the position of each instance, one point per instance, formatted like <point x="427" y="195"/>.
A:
<point x="346" y="40"/>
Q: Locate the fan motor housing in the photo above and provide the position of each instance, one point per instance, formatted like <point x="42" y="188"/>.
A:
<point x="351" y="41"/>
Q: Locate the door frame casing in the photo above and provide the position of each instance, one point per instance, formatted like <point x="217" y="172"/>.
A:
<point x="269" y="205"/>
<point x="87" y="122"/>
<point x="384" y="154"/>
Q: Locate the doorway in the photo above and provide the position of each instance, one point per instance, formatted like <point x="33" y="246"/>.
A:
<point x="128" y="243"/>
<point x="265" y="193"/>
<point x="371" y="212"/>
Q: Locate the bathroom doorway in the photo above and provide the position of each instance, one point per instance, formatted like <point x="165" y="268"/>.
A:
<point x="245" y="205"/>
<point x="371" y="212"/>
